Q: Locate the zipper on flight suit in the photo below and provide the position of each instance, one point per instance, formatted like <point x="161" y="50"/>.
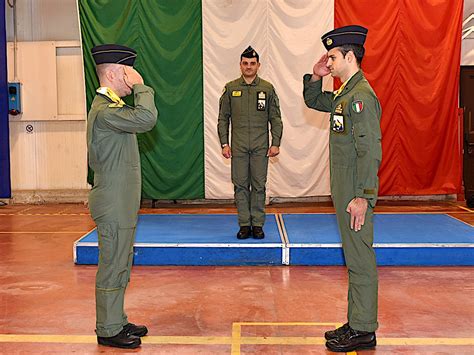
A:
<point x="248" y="115"/>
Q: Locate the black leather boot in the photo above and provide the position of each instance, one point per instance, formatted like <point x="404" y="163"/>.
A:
<point x="352" y="340"/>
<point x="137" y="330"/>
<point x="121" y="340"/>
<point x="244" y="232"/>
<point x="258" y="233"/>
<point x="336" y="333"/>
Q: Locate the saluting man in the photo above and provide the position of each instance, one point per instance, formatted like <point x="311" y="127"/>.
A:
<point x="115" y="197"/>
<point x="355" y="156"/>
<point x="249" y="104"/>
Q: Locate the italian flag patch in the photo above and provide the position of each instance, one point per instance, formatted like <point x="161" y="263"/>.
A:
<point x="358" y="106"/>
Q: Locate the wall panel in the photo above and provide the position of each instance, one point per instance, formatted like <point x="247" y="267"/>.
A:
<point x="61" y="155"/>
<point x="23" y="156"/>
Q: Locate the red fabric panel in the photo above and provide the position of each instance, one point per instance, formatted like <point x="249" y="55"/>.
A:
<point x="412" y="61"/>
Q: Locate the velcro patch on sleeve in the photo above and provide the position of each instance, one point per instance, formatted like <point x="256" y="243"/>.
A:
<point x="358" y="106"/>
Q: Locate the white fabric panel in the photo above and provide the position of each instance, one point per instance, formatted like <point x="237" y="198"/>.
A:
<point x="286" y="34"/>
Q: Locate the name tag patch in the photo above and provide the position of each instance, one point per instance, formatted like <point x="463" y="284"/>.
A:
<point x="261" y="100"/>
<point x="236" y="93"/>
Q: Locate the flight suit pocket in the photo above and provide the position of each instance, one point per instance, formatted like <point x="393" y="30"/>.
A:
<point x="131" y="151"/>
<point x="236" y="103"/>
<point x="108" y="239"/>
<point x="342" y="154"/>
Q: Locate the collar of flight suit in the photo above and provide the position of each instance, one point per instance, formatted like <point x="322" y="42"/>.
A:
<point x="255" y="81"/>
<point x="349" y="83"/>
<point x="112" y="96"/>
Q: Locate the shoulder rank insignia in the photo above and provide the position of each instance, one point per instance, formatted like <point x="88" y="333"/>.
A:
<point x="236" y="93"/>
<point x="357" y="106"/>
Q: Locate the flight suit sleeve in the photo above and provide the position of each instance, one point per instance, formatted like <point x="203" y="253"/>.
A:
<point x="138" y="119"/>
<point x="274" y="116"/>
<point x="365" y="113"/>
<point x="224" y="117"/>
<point x="314" y="97"/>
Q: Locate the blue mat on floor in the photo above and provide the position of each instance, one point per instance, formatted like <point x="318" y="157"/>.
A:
<point x="399" y="239"/>
<point x="312" y="239"/>
<point x="193" y="240"/>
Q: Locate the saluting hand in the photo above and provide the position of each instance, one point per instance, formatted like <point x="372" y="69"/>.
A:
<point x="273" y="151"/>
<point x="131" y="76"/>
<point x="320" y="69"/>
<point x="357" y="209"/>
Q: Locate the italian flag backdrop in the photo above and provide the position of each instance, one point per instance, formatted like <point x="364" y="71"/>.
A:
<point x="189" y="49"/>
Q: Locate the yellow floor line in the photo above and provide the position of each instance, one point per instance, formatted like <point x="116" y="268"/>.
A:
<point x="282" y="341"/>
<point x="27" y="338"/>
<point x="425" y="341"/>
<point x="187" y="340"/>
<point x="236" y="339"/>
<point x="465" y="208"/>
<point x="290" y="323"/>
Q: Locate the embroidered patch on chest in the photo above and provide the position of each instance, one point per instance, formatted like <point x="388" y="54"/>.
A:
<point x="357" y="106"/>
<point x="338" y="123"/>
<point x="261" y="100"/>
<point x="236" y="93"/>
<point x="338" y="109"/>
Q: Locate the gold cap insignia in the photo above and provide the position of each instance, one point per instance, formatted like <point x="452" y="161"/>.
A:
<point x="329" y="41"/>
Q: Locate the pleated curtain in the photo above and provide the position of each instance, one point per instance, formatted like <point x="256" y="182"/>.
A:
<point x="189" y="49"/>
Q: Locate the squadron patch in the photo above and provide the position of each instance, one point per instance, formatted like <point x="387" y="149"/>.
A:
<point x="357" y="106"/>
<point x="261" y="100"/>
<point x="337" y="123"/>
<point x="338" y="109"/>
<point x="236" y="93"/>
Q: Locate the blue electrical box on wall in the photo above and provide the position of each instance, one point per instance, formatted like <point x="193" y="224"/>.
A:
<point x="14" y="98"/>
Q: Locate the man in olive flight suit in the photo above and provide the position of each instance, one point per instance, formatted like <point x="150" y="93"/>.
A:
<point x="355" y="156"/>
<point x="249" y="103"/>
<point x="115" y="197"/>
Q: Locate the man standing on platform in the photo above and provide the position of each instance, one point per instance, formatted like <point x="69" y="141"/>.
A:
<point x="355" y="156"/>
<point x="114" y="200"/>
<point x="249" y="104"/>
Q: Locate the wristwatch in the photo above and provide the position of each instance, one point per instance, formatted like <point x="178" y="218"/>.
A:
<point x="224" y="145"/>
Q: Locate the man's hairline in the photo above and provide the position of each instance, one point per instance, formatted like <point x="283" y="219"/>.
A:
<point x="242" y="58"/>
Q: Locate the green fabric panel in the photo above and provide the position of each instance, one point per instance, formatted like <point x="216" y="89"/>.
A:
<point x="167" y="35"/>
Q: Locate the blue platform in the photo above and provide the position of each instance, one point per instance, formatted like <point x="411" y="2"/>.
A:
<point x="291" y="239"/>
<point x="193" y="240"/>
<point x="399" y="239"/>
